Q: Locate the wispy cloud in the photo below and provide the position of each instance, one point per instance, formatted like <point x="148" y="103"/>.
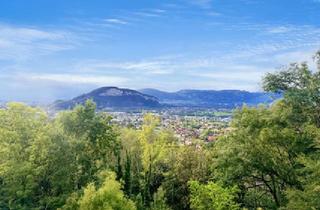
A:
<point x="152" y="66"/>
<point x="215" y="45"/>
<point x="24" y="42"/>
<point x="76" y="79"/>
<point x="147" y="14"/>
<point x="279" y="29"/>
<point x="254" y="60"/>
<point x="116" y="21"/>
<point x="122" y="19"/>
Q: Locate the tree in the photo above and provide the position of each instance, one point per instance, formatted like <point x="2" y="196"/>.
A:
<point x="212" y="196"/>
<point x="301" y="89"/>
<point x="190" y="162"/>
<point x="159" y="201"/>
<point x="43" y="161"/>
<point x="131" y="156"/>
<point x="155" y="145"/>
<point x="107" y="197"/>
<point x="261" y="155"/>
<point x="308" y="198"/>
<point x="31" y="153"/>
<point x="95" y="143"/>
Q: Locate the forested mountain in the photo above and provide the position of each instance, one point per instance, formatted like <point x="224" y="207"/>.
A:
<point x="80" y="160"/>
<point x="117" y="98"/>
<point x="112" y="97"/>
<point x="212" y="98"/>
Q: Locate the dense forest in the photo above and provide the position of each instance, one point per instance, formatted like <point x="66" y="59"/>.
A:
<point x="80" y="160"/>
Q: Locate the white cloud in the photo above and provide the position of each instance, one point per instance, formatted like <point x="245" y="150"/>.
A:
<point x="147" y="14"/>
<point x="279" y="29"/>
<point x="147" y="66"/>
<point x="240" y="67"/>
<point x="116" y="21"/>
<point x="18" y="43"/>
<point x="243" y="76"/>
<point x="77" y="79"/>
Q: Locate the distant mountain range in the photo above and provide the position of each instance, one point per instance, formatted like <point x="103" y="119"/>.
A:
<point x="212" y="98"/>
<point x="118" y="98"/>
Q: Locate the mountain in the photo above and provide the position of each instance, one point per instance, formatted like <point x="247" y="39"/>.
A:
<point x="118" y="98"/>
<point x="112" y="97"/>
<point x="212" y="98"/>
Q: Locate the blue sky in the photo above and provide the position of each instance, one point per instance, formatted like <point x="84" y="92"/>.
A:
<point x="57" y="49"/>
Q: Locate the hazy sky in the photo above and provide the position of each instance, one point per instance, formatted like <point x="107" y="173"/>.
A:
<point x="52" y="49"/>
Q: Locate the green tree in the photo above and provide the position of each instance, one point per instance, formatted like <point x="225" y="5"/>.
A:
<point x="42" y="161"/>
<point x="159" y="200"/>
<point x="308" y="198"/>
<point x="131" y="161"/>
<point x="301" y="89"/>
<point x="31" y="153"/>
<point x="261" y="154"/>
<point x="187" y="163"/>
<point x="212" y="196"/>
<point x="95" y="143"/>
<point x="155" y="145"/>
<point x="108" y="196"/>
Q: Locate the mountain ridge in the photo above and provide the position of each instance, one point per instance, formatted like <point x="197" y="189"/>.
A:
<point x="121" y="98"/>
<point x="112" y="97"/>
<point x="211" y="98"/>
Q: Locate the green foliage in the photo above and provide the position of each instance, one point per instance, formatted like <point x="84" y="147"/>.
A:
<point x="261" y="154"/>
<point x="146" y="156"/>
<point x="107" y="197"/>
<point x="159" y="201"/>
<point x="212" y="197"/>
<point x="188" y="163"/>
<point x="131" y="161"/>
<point x="301" y="88"/>
<point x="155" y="146"/>
<point x="43" y="161"/>
<point x="95" y="144"/>
<point x="308" y="197"/>
<point x="31" y="153"/>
